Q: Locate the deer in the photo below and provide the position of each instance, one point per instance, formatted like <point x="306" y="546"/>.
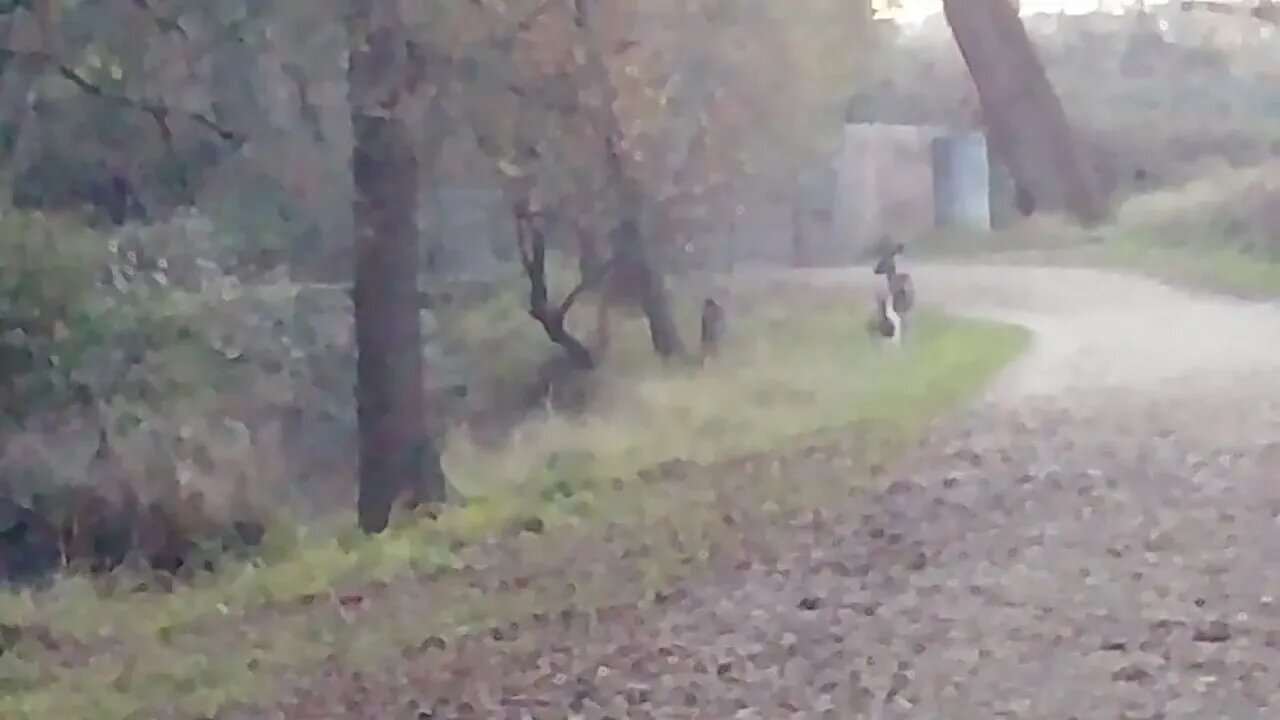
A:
<point x="895" y="299"/>
<point x="714" y="320"/>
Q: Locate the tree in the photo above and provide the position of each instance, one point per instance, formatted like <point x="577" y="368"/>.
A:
<point x="633" y="253"/>
<point x="647" y="114"/>
<point x="1027" y="125"/>
<point x="532" y="244"/>
<point x="397" y="457"/>
<point x="549" y="116"/>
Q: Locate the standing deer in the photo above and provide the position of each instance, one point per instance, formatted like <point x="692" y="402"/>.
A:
<point x="713" y="327"/>
<point x="895" y="299"/>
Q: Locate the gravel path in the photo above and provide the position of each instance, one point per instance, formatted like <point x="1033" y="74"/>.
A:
<point x="1098" y="539"/>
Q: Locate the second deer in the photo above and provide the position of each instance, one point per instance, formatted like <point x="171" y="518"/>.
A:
<point x="893" y="300"/>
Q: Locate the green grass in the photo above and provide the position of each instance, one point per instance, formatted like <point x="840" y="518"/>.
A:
<point x="1217" y="232"/>
<point x="799" y="372"/>
<point x="1211" y="266"/>
<point x="1202" y="261"/>
<point x="1207" y="265"/>
<point x="1217" y="269"/>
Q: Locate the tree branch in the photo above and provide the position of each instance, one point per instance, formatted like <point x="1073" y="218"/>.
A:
<point x="533" y="256"/>
<point x="158" y="112"/>
<point x="420" y="55"/>
<point x="165" y="24"/>
<point x="590" y="282"/>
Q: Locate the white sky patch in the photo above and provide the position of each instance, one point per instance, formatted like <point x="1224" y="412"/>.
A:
<point x="915" y="12"/>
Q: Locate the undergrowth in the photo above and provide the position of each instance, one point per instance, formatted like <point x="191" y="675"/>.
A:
<point x="649" y="475"/>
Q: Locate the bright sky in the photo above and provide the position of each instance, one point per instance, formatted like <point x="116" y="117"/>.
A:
<point x="915" y="11"/>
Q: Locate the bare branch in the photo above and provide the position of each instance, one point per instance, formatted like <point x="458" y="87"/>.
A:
<point x="158" y="112"/>
<point x="533" y="256"/>
<point x="589" y="282"/>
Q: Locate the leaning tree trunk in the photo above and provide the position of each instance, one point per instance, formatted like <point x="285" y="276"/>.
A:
<point x="1028" y="127"/>
<point x="632" y="253"/>
<point x="397" y="457"/>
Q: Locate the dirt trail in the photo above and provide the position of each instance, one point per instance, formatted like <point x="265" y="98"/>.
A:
<point x="1100" y="330"/>
<point x="1099" y="539"/>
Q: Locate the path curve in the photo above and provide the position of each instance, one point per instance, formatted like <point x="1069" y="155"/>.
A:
<point x="1099" y="539"/>
<point x="1098" y="330"/>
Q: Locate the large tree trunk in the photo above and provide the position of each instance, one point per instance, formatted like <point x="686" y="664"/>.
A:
<point x="632" y="252"/>
<point x="1027" y="126"/>
<point x="397" y="457"/>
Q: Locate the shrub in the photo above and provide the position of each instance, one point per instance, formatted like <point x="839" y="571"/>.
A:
<point x="136" y="364"/>
<point x="1231" y="209"/>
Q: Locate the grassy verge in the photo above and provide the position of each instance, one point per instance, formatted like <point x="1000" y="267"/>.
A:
<point x="591" y="489"/>
<point x="1216" y="233"/>
<point x="1216" y="267"/>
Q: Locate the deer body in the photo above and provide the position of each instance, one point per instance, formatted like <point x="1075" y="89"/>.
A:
<point x="713" y="327"/>
<point x="894" y="300"/>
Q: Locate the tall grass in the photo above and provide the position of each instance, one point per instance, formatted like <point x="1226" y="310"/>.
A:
<point x="1220" y="232"/>
<point x="797" y="366"/>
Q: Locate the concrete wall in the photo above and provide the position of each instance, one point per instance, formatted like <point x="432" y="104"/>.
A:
<point x="884" y="186"/>
<point x="887" y="183"/>
<point x="961" y="181"/>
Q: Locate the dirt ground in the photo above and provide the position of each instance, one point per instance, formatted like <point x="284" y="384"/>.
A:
<point x="1099" y="538"/>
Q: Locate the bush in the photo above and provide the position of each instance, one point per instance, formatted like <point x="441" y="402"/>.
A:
<point x="135" y="364"/>
<point x="1231" y="209"/>
<point x="127" y="337"/>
